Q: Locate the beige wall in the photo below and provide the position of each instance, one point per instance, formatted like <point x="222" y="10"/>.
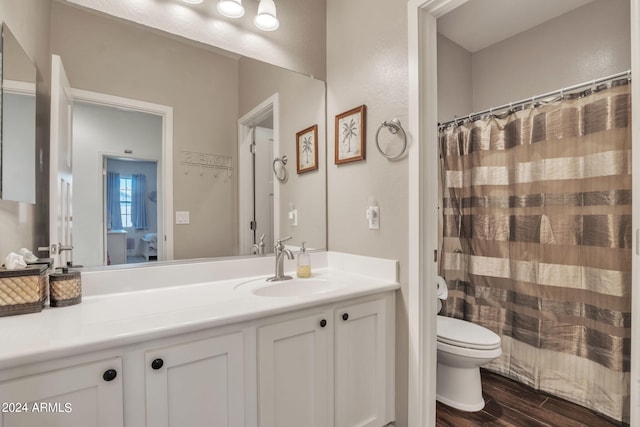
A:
<point x="299" y="43"/>
<point x="22" y="224"/>
<point x="455" y="89"/>
<point x="107" y="56"/>
<point x="367" y="64"/>
<point x="302" y="104"/>
<point x="590" y="42"/>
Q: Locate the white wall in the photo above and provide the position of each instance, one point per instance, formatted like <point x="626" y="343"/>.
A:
<point x="367" y="63"/>
<point x="103" y="131"/>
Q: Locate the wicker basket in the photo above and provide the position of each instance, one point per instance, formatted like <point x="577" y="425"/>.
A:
<point x="22" y="291"/>
<point x="47" y="262"/>
<point x="66" y="288"/>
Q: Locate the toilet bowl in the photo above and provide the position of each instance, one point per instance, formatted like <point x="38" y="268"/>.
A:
<point x="462" y="348"/>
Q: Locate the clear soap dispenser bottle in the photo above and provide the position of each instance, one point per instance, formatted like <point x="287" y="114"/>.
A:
<point x="304" y="263"/>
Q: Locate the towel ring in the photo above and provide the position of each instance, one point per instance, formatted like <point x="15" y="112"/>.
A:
<point x="281" y="175"/>
<point x="394" y="126"/>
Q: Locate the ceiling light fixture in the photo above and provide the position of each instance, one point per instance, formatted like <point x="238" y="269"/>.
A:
<point x="193" y="1"/>
<point x="266" y="19"/>
<point x="231" y="8"/>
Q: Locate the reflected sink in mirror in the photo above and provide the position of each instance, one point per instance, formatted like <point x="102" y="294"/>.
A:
<point x="290" y="288"/>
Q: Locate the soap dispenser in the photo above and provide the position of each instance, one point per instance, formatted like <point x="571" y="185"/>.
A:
<point x="304" y="263"/>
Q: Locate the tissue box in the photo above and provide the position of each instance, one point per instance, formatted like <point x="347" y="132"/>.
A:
<point x="22" y="291"/>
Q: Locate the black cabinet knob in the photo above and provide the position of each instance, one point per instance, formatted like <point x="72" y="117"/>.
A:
<point x="323" y="323"/>
<point x="110" y="375"/>
<point x="345" y="316"/>
<point x="157" y="364"/>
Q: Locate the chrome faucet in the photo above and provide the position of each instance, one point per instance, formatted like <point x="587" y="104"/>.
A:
<point x="258" y="248"/>
<point x="281" y="251"/>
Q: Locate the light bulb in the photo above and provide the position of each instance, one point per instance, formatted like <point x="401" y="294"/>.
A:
<point x="231" y="8"/>
<point x="266" y="19"/>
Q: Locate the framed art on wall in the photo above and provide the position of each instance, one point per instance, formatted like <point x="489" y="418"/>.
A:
<point x="307" y="149"/>
<point x="350" y="135"/>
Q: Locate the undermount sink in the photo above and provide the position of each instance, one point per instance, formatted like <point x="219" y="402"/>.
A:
<point x="291" y="288"/>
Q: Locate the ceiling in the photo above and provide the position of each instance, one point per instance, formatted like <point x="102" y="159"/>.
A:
<point x="501" y="19"/>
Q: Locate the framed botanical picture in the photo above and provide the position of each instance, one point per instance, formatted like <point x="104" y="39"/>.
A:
<point x="307" y="149"/>
<point x="350" y="135"/>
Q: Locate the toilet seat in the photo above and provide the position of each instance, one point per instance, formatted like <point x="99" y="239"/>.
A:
<point x="460" y="333"/>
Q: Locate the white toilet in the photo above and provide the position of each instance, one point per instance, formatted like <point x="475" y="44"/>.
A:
<point x="463" y="347"/>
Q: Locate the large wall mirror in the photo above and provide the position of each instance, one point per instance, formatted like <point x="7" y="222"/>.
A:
<point x="18" y="142"/>
<point x="221" y="104"/>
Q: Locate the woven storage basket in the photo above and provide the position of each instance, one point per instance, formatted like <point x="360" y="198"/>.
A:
<point x="48" y="263"/>
<point x="22" y="291"/>
<point x="66" y="288"/>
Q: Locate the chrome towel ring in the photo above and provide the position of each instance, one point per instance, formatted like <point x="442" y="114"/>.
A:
<point x="281" y="172"/>
<point x="394" y="126"/>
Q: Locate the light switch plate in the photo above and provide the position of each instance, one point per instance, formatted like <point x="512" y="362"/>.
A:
<point x="182" y="217"/>
<point x="373" y="215"/>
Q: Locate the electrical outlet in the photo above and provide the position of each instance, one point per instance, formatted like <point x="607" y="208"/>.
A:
<point x="293" y="217"/>
<point x="182" y="217"/>
<point x="373" y="215"/>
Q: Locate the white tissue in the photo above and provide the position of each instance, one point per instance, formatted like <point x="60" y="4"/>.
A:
<point x="14" y="261"/>
<point x="441" y="288"/>
<point x="28" y="255"/>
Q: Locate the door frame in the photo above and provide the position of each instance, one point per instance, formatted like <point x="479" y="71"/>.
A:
<point x="423" y="203"/>
<point x="60" y="219"/>
<point x="246" y="123"/>
<point x="165" y="164"/>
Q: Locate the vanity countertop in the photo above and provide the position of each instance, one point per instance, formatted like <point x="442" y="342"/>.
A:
<point x="108" y="319"/>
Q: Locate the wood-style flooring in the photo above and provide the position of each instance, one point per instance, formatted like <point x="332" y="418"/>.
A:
<point x="509" y="403"/>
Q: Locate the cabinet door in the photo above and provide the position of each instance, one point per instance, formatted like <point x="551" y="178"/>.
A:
<point x="361" y="365"/>
<point x="294" y="372"/>
<point x="87" y="395"/>
<point x="200" y="383"/>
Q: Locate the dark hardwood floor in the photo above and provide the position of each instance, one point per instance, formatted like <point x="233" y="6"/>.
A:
<point x="509" y="403"/>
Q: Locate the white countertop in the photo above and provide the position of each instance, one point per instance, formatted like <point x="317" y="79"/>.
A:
<point x="127" y="315"/>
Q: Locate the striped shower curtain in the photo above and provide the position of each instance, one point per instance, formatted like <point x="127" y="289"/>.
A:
<point x="536" y="239"/>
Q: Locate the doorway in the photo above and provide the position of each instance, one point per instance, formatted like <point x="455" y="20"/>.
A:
<point x="130" y="210"/>
<point x="423" y="107"/>
<point x="120" y="128"/>
<point x="259" y="196"/>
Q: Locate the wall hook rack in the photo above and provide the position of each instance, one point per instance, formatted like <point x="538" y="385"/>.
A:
<point x="206" y="160"/>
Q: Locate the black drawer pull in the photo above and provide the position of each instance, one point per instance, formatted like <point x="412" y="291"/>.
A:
<point x="345" y="316"/>
<point x="323" y="323"/>
<point x="157" y="364"/>
<point x="110" y="375"/>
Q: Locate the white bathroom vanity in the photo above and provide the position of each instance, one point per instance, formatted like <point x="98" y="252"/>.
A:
<point x="209" y="343"/>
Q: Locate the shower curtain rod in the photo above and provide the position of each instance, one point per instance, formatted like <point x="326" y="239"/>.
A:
<point x="533" y="99"/>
